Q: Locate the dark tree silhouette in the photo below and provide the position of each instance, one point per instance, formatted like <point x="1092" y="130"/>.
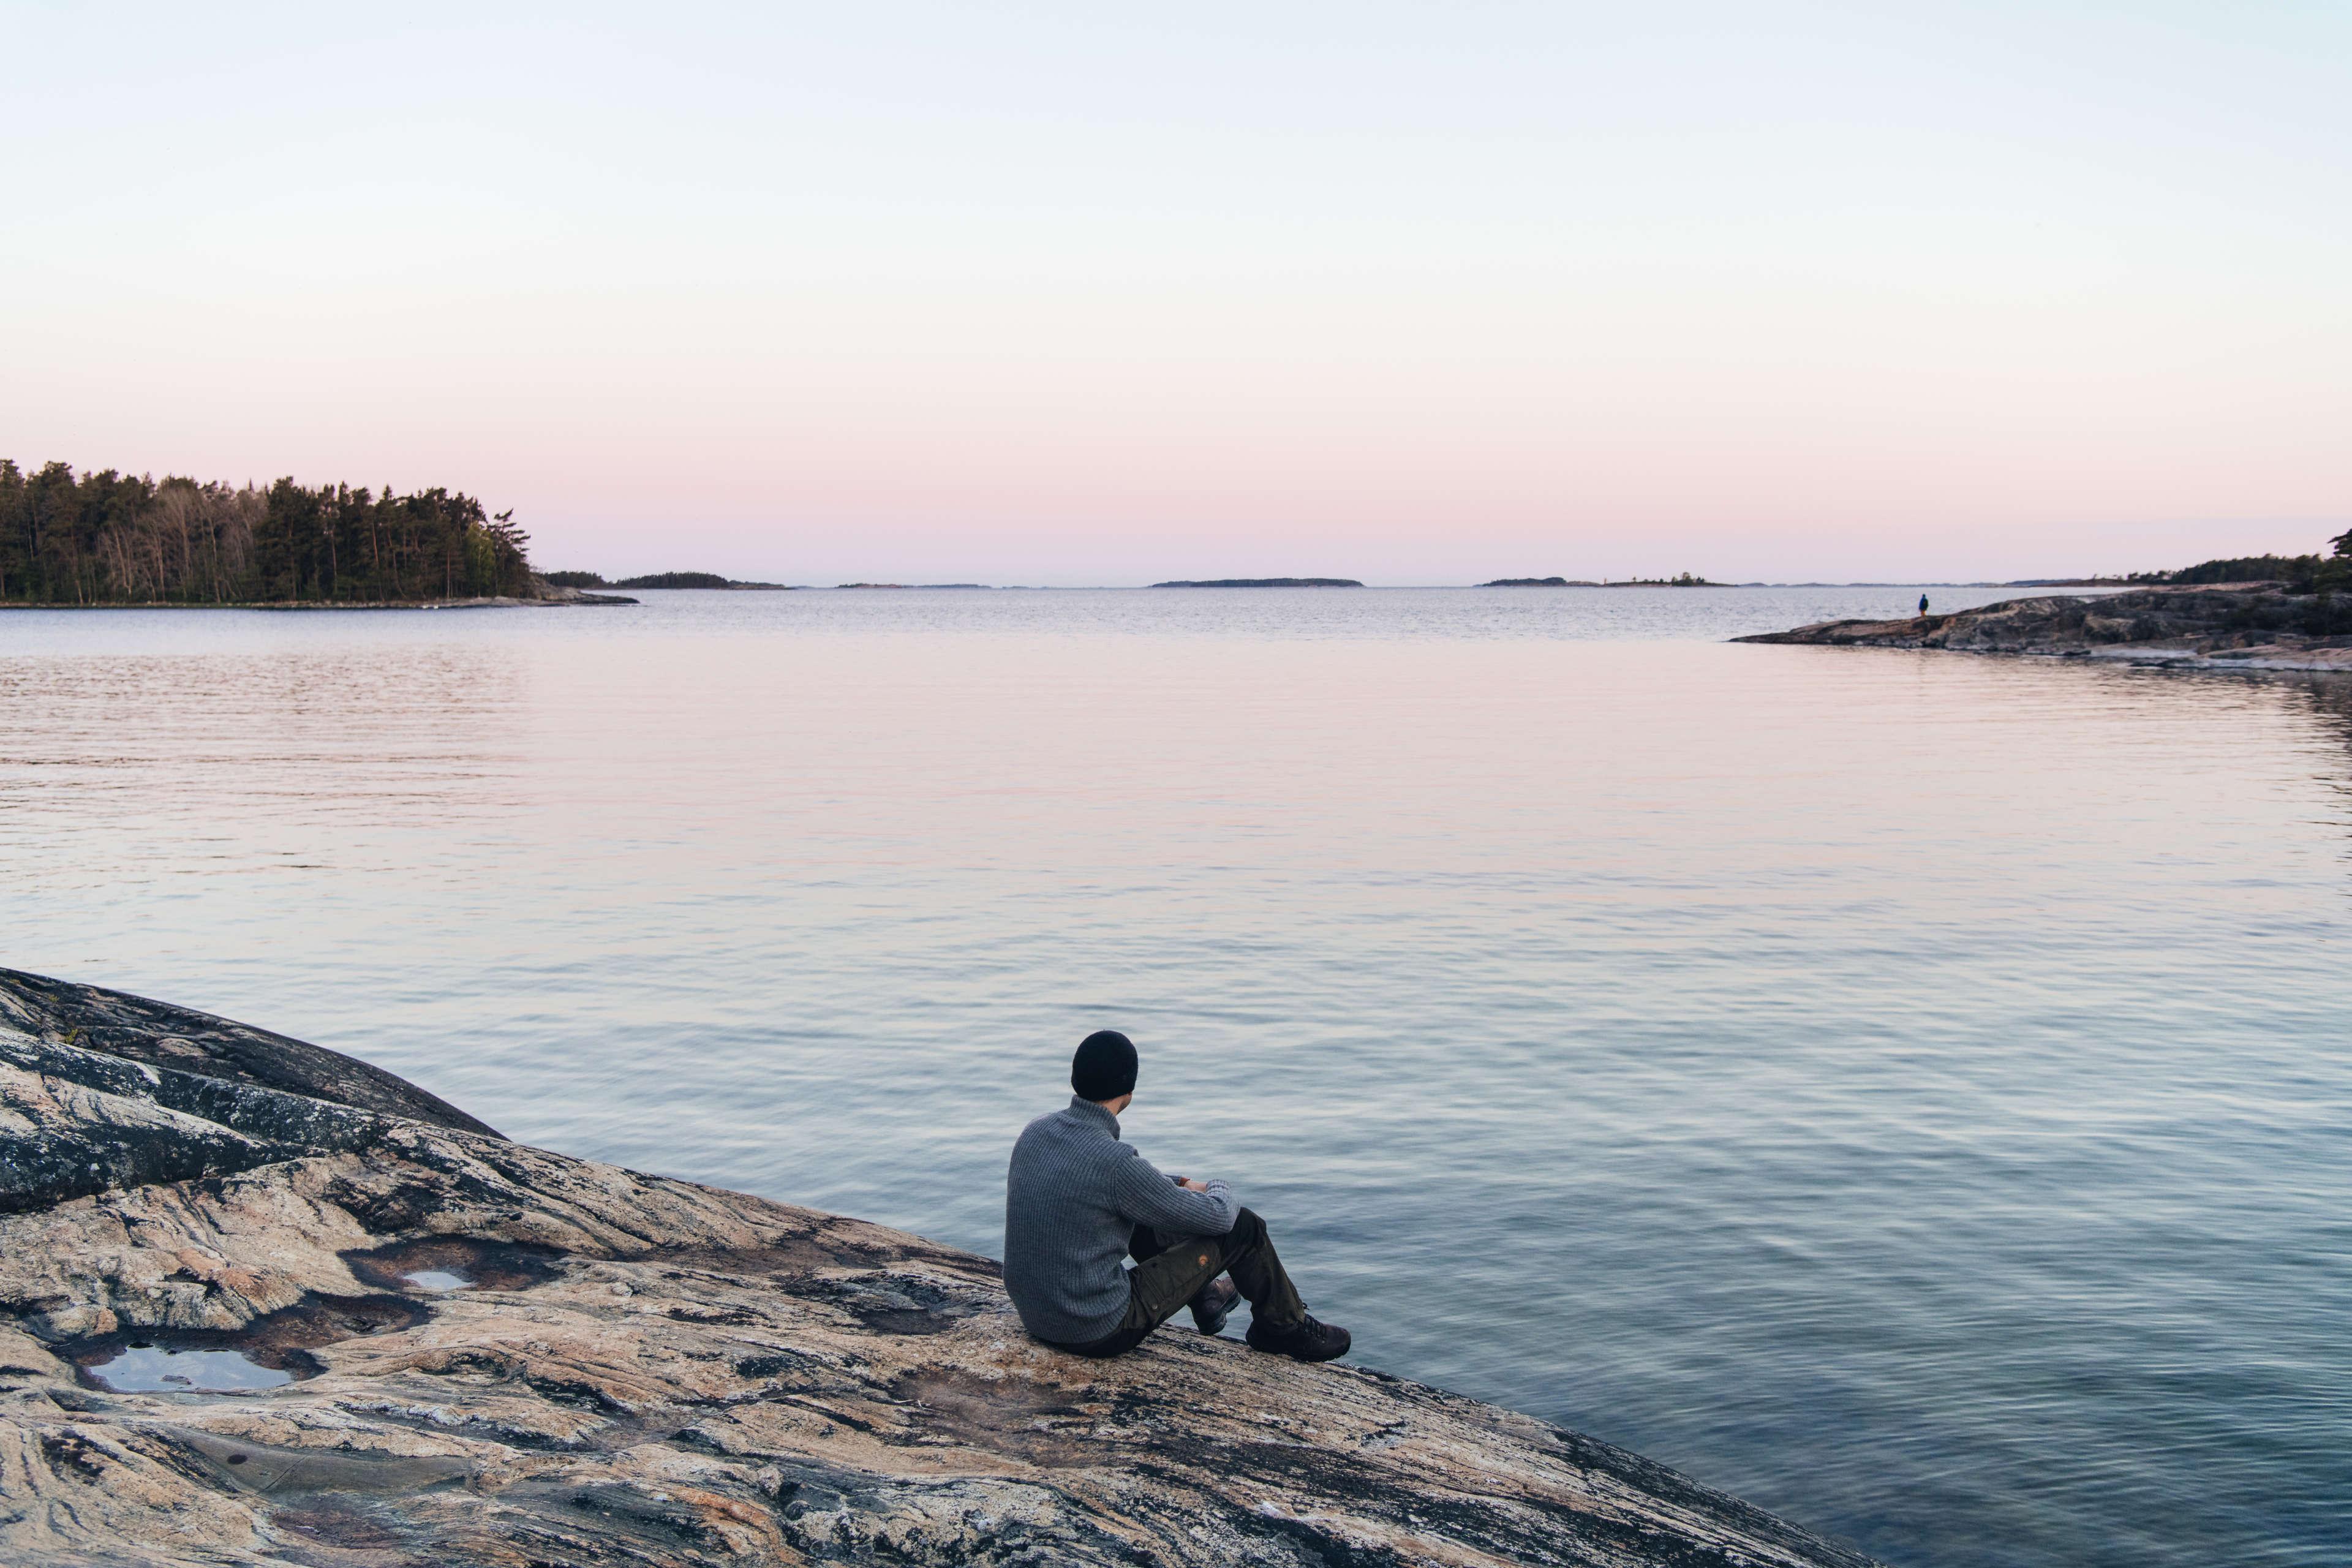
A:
<point x="103" y="538"/>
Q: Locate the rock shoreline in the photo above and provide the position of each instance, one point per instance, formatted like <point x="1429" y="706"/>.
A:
<point x="486" y="1353"/>
<point x="2230" y="626"/>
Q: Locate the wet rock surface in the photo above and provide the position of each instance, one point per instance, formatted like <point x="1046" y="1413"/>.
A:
<point x="134" y="1029"/>
<point x="2240" y="625"/>
<point x="499" y="1355"/>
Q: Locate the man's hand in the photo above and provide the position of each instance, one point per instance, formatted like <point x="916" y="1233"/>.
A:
<point x="1190" y="1185"/>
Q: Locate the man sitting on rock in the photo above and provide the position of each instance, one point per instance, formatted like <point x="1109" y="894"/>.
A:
<point x="1077" y="1200"/>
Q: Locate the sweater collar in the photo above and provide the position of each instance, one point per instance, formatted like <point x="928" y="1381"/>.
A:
<point x="1086" y="1109"/>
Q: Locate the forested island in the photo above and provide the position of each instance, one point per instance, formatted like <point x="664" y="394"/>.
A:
<point x="109" y="538"/>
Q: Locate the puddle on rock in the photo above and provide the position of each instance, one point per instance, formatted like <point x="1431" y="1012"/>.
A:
<point x="266" y="1354"/>
<point x="437" y="1280"/>
<point x="440" y="1264"/>
<point x="142" y="1368"/>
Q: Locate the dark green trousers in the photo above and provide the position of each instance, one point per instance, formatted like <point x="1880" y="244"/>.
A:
<point x="1170" y="1271"/>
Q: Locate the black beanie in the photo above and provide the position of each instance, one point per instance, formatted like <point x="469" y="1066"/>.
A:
<point x="1104" y="1068"/>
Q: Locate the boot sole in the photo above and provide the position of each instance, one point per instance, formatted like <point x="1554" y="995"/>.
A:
<point x="1311" y="1358"/>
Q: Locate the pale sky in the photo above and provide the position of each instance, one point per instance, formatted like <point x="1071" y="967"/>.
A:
<point x="1091" y="293"/>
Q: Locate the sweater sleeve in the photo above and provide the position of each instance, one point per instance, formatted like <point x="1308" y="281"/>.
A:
<point x="1146" y="1196"/>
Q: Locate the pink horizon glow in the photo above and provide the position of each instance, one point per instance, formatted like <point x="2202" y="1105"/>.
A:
<point x="1982" y="294"/>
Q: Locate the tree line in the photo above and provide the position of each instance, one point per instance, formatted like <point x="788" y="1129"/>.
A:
<point x="107" y="538"/>
<point x="2318" y="588"/>
<point x="2312" y="573"/>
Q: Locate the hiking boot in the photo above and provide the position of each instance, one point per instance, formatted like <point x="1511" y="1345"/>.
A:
<point x="1305" y="1339"/>
<point x="1213" y="1305"/>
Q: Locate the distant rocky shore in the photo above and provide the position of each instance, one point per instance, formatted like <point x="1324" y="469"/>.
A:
<point x="710" y="580"/>
<point x="543" y="594"/>
<point x="263" y="1303"/>
<point x="2229" y="625"/>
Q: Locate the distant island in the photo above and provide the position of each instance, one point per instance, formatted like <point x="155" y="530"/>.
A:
<point x="1265" y="582"/>
<point x="913" y="586"/>
<point x="110" y="538"/>
<point x="661" y="580"/>
<point x="1681" y="580"/>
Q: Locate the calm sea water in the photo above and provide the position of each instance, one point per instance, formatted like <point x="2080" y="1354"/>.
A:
<point x="1910" y="1091"/>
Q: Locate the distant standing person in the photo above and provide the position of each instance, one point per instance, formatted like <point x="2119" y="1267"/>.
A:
<point x="1923" y="607"/>
<point x="1077" y="1200"/>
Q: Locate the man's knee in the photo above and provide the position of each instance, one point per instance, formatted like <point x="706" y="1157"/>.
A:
<point x="1248" y="1229"/>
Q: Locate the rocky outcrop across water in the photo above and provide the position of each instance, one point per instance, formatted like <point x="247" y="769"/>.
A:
<point x="260" y="1302"/>
<point x="2233" y="625"/>
<point x="552" y="594"/>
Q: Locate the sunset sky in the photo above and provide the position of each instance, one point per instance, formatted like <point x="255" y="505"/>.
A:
<point x="1081" y="293"/>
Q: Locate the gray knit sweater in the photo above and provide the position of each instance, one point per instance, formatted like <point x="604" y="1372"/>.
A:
<point x="1071" y="1197"/>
